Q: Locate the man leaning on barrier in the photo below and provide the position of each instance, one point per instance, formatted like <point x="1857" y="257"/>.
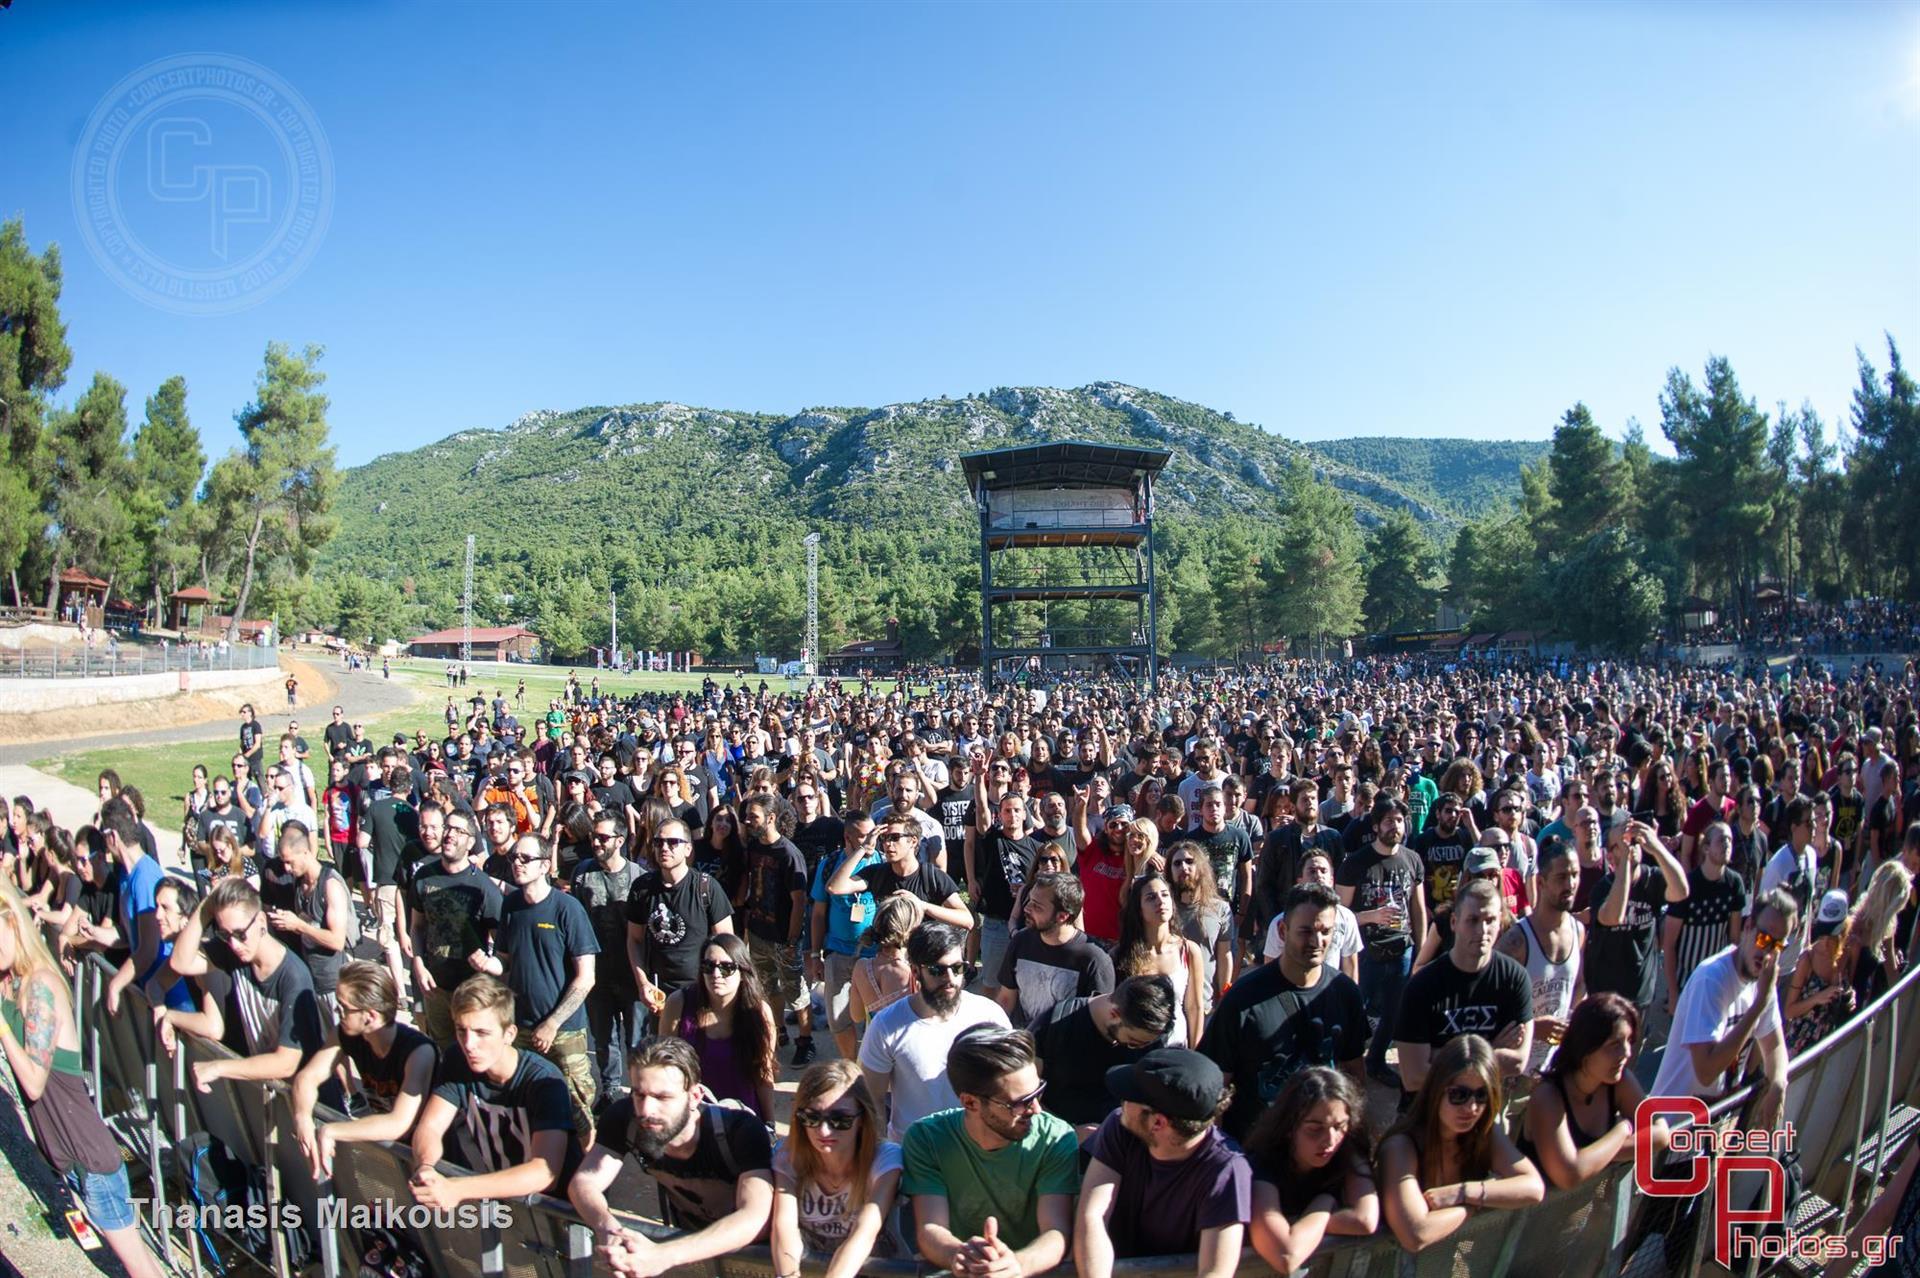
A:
<point x="272" y="989"/>
<point x="516" y="1117"/>
<point x="394" y="1064"/>
<point x="713" y="1163"/>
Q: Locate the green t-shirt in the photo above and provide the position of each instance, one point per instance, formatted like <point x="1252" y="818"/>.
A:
<point x="1420" y="798"/>
<point x="942" y="1160"/>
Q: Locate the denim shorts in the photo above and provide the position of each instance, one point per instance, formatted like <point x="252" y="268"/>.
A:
<point x="104" y="1197"/>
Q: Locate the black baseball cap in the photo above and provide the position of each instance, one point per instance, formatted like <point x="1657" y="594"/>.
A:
<point x="1174" y="1081"/>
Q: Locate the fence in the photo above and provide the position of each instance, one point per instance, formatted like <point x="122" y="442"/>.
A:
<point x="107" y="660"/>
<point x="1846" y="1100"/>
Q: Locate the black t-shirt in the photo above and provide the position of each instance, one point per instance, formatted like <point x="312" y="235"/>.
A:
<point x="1074" y="1058"/>
<point x="1619" y="960"/>
<point x="701" y="1186"/>
<point x="539" y="943"/>
<point x="1045" y="974"/>
<point x="1004" y="865"/>
<point x="280" y="1011"/>
<point x="391" y="825"/>
<point x="1379" y="880"/>
<point x="457" y="913"/>
<point x="1226" y="851"/>
<point x="498" y="1121"/>
<point x="1279" y="867"/>
<point x="817" y="838"/>
<point x="1442" y="1002"/>
<point x="382" y="1076"/>
<point x="956" y="817"/>
<point x="1703" y="915"/>
<point x="1268" y="1029"/>
<point x="338" y="737"/>
<point x="233" y="818"/>
<point x="1441" y="856"/>
<point x="678" y="920"/>
<point x="929" y="882"/>
<point x="615" y="797"/>
<point x="775" y="871"/>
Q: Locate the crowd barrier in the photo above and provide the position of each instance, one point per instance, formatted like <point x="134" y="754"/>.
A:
<point x="1846" y="1098"/>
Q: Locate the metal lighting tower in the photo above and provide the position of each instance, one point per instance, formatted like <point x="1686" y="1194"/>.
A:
<point x="613" y="623"/>
<point x="811" y="657"/>
<point x="466" y="609"/>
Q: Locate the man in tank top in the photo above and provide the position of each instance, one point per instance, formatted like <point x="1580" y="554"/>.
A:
<point x="1549" y="943"/>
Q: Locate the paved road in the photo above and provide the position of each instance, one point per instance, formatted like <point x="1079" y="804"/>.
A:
<point x="363" y="693"/>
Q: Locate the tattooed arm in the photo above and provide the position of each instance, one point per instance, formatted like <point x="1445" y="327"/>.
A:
<point x="31" y="1053"/>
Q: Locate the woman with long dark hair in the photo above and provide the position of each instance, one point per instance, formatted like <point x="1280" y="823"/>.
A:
<point x="721" y="853"/>
<point x="725" y="1016"/>
<point x="1151" y="944"/>
<point x="1580" y="1117"/>
<point x="1445" y="1159"/>
<point x="1312" y="1173"/>
<point x="834" y="1177"/>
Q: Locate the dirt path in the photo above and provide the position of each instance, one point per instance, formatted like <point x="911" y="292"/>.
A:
<point x="205" y="716"/>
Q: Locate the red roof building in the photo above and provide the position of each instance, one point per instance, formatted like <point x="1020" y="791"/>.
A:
<point x="490" y="643"/>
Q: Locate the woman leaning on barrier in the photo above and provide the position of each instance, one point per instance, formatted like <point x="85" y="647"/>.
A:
<point x="1580" y="1119"/>
<point x="42" y="1045"/>
<point x="835" y="1177"/>
<point x="1312" y="1175"/>
<point x="1445" y="1159"/>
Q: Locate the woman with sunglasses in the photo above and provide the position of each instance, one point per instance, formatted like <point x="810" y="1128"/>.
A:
<point x="1445" y="1159"/>
<point x="834" y="1177"/>
<point x="1580" y="1119"/>
<point x="1151" y="944"/>
<point x="726" y="1017"/>
<point x="1312" y="1170"/>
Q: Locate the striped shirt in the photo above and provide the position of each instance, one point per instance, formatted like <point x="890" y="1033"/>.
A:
<point x="1703" y="918"/>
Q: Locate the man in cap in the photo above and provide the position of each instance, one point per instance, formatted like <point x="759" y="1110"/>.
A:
<point x="1163" y="1179"/>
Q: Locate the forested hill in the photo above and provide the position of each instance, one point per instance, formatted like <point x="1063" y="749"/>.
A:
<point x="678" y="501"/>
<point x="1464" y="476"/>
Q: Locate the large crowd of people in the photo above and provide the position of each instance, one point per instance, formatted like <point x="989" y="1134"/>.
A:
<point x="1270" y="958"/>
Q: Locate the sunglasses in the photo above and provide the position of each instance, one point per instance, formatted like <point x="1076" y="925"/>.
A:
<point x="530" y="860"/>
<point x="1465" y="1096"/>
<point x="239" y="933"/>
<point x="711" y="968"/>
<point x="1765" y="941"/>
<point x="672" y="843"/>
<point x="957" y="971"/>
<point x="1020" y="1103"/>
<point x="840" y="1120"/>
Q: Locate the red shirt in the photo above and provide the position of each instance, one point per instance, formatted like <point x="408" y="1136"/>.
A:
<point x="1103" y="876"/>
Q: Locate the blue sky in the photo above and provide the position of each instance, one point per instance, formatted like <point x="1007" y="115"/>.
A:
<point x="1345" y="220"/>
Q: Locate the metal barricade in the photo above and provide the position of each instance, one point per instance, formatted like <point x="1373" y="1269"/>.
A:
<point x="1839" y="1099"/>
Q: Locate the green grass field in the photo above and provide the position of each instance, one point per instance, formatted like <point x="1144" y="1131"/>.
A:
<point x="164" y="773"/>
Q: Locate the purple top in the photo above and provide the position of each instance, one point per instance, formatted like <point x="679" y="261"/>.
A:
<point x="719" y="1065"/>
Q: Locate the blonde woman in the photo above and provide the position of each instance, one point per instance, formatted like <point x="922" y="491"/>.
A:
<point x="1873" y="951"/>
<point x="42" y="1046"/>
<point x="834" y="1177"/>
<point x="1143" y="849"/>
<point x="886" y="977"/>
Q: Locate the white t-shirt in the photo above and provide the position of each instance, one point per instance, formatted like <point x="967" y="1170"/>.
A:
<point x="825" y="1221"/>
<point x="1714" y="998"/>
<point x="1801" y="878"/>
<point x="1345" y="944"/>
<point x="914" y="1053"/>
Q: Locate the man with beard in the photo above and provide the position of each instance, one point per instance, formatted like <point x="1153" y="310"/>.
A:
<point x="670" y="914"/>
<point x="1730" y="1002"/>
<point x="992" y="1180"/>
<point x="1286" y="1015"/>
<point x="905" y="1049"/>
<point x="516" y="1121"/>
<point x="221" y="810"/>
<point x="998" y="865"/>
<point x="452" y="909"/>
<point x="713" y="1164"/>
<point x="1549" y="943"/>
<point x="1102" y="869"/>
<point x="1279" y="866"/>
<point x="1442" y="851"/>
